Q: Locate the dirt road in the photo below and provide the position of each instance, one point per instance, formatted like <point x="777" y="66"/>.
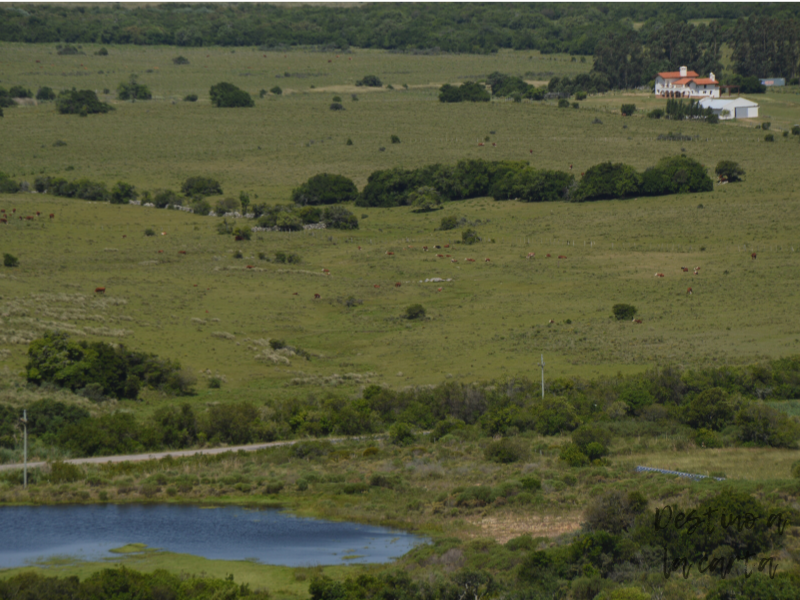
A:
<point x="173" y="454"/>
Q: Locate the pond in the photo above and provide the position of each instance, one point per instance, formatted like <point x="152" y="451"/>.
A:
<point x="90" y="532"/>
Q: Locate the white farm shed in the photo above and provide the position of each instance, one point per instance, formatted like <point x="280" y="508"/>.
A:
<point x="738" y="108"/>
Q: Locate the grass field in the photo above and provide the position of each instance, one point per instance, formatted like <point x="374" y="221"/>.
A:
<point x="208" y="310"/>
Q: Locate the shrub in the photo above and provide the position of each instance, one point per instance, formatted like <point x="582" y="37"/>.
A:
<point x="401" y="434"/>
<point x="274" y="487"/>
<point x="45" y="93"/>
<point x="608" y="180"/>
<point x="133" y="91"/>
<point x="276" y="90"/>
<point x="573" y="456"/>
<point x="593" y="440"/>
<point x="201" y="186"/>
<point x="9" y="260"/>
<point x="530" y="185"/>
<point x="180" y="60"/>
<point x="712" y="119"/>
<point x="336" y="106"/>
<point x="656" y="113"/>
<point x="165" y="198"/>
<point x="766" y="125"/>
<point x="123" y="193"/>
<point x="8" y="185"/>
<point x="215" y="383"/>
<point x="395" y="139"/>
<point x="624" y="312"/>
<point x="190" y="98"/>
<point x="576" y="105"/>
<point x="227" y="205"/>
<point x="467" y="92"/>
<point x="763" y="425"/>
<point x="102" y="52"/>
<point x="349" y="142"/>
<point x="325" y="188"/>
<point x="469" y="237"/>
<point x="675" y="175"/>
<point x="227" y="95"/>
<point x="338" y="217"/>
<point x="580" y="96"/>
<point x="563" y="103"/>
<point x="506" y="450"/>
<point x="425" y="199"/>
<point x="149" y="232"/>
<point x="84" y="102"/>
<point x="614" y="511"/>
<point x="369" y="81"/>
<point x="18" y="91"/>
<point x="730" y="170"/>
<point x="336" y="99"/>
<point x="795" y="129"/>
<point x="628" y="109"/>
<point x="415" y="311"/>
<point x="479" y="495"/>
<point x="769" y="138"/>
<point x="447" y="223"/>
<point x="709" y="409"/>
<point x="61" y="472"/>
<point x="705" y="438"/>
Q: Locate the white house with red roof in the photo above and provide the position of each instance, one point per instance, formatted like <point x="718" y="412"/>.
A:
<point x="686" y="84"/>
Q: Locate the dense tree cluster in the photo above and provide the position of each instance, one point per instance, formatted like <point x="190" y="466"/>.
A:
<point x="99" y="369"/>
<point x="124" y="584"/>
<point x="478" y="28"/>
<point x="227" y="95"/>
<point x="467" y="92"/>
<point x="325" y="188"/>
<point x="80" y="102"/>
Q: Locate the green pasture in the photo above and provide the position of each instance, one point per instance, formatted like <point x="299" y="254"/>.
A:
<point x="215" y="315"/>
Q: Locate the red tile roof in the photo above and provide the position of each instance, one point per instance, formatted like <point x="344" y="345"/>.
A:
<point x="706" y="82"/>
<point x="683" y="81"/>
<point x="677" y="74"/>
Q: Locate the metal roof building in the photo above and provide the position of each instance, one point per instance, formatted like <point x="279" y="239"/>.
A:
<point x="738" y="108"/>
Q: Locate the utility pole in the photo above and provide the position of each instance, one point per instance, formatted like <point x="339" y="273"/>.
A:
<point x="24" y="421"/>
<point x="542" y="365"/>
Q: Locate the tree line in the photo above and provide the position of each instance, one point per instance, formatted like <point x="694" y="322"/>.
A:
<point x="474" y="28"/>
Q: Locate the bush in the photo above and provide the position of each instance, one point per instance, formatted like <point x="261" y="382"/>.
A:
<point x="17" y="91"/>
<point x="467" y="92"/>
<point x="369" y="81"/>
<point x="102" y="52"/>
<point x="9" y="260"/>
<point x="675" y="175"/>
<point x="273" y="487"/>
<point x="133" y="91"/>
<point x="709" y="409"/>
<point x="325" y="188"/>
<point x="593" y="440"/>
<point x="338" y="217"/>
<point x="656" y="113"/>
<point x="425" y="199"/>
<point x="8" y="185"/>
<point x="180" y="60"/>
<point x="45" y="93"/>
<point x="573" y="456"/>
<point x="190" y="98"/>
<point x="628" y="109"/>
<point x="624" y="312"/>
<point x="61" y="472"/>
<point x="608" y="180"/>
<point x="766" y="125"/>
<point x="276" y="90"/>
<point x="214" y="383"/>
<point x="81" y="102"/>
<point x="469" y="237"/>
<point x="227" y="95"/>
<point x="506" y="450"/>
<point x="530" y="185"/>
<point x="123" y="193"/>
<point x="563" y="103"/>
<point x="795" y="129"/>
<point x="729" y="170"/>
<point x="614" y="511"/>
<point x="769" y="138"/>
<point x="763" y="425"/>
<point x="149" y="232"/>
<point x="401" y="434"/>
<point x="336" y="106"/>
<point x="447" y="223"/>
<point x="201" y="186"/>
<point x="395" y="139"/>
<point x="415" y="311"/>
<point x="580" y="96"/>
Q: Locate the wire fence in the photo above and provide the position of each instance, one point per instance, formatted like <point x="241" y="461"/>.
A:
<point x="678" y="473"/>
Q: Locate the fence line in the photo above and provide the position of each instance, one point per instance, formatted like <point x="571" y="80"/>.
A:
<point x="678" y="473"/>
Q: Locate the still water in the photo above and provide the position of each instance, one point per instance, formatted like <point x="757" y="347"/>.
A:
<point x="31" y="533"/>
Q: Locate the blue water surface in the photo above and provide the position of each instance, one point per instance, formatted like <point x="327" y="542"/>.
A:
<point x="270" y="536"/>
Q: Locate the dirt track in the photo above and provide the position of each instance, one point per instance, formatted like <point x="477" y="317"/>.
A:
<point x="160" y="455"/>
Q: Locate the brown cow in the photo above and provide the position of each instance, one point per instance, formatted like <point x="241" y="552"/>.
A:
<point x="376" y="286"/>
<point x="637" y="321"/>
<point x="52" y="216"/>
<point x="3" y="221"/>
<point x="753" y="256"/>
<point x="440" y="256"/>
<point x="689" y="292"/>
<point x="100" y="290"/>
<point x="397" y="284"/>
<point x="179" y="251"/>
<point x="547" y="256"/>
<point x="317" y="296"/>
<point x="390" y="254"/>
<point x="38" y="213"/>
<point x="561" y="256"/>
<point x="486" y="260"/>
<point x="249" y="266"/>
<point x="447" y="245"/>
